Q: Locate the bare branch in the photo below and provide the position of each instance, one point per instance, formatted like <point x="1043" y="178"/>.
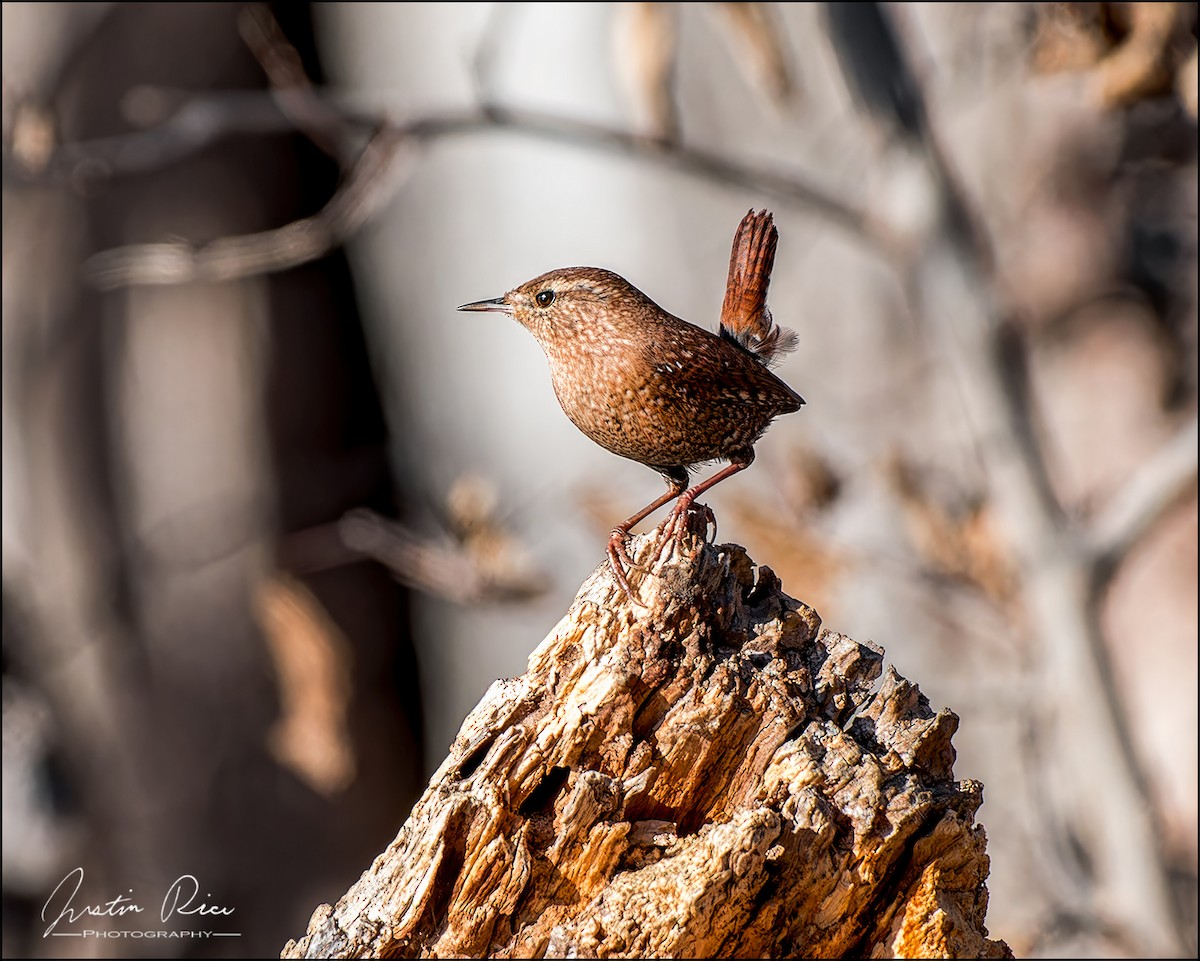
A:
<point x="198" y="124"/>
<point x="1158" y="485"/>
<point x="778" y="184"/>
<point x="371" y="184"/>
<point x="204" y="121"/>
<point x="372" y="181"/>
<point x="384" y="165"/>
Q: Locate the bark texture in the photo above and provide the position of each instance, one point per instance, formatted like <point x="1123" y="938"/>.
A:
<point x="711" y="774"/>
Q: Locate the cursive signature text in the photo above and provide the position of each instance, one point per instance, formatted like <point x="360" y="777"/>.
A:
<point x="182" y="898"/>
<point x="184" y="890"/>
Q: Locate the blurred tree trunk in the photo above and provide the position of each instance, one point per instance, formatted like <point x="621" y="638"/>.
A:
<point x="710" y="775"/>
<point x="166" y="442"/>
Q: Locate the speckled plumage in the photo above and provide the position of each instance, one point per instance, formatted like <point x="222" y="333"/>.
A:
<point x="649" y="386"/>
<point x="641" y="382"/>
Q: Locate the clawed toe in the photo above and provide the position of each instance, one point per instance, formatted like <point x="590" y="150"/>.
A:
<point x="617" y="543"/>
<point x="677" y="521"/>
<point x="620" y="561"/>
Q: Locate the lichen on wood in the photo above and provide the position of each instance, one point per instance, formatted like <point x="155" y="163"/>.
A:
<point x="706" y="774"/>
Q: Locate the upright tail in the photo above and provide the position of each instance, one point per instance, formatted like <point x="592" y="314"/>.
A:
<point x="745" y="319"/>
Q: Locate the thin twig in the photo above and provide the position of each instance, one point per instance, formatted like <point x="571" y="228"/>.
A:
<point x="291" y="88"/>
<point x="1153" y="490"/>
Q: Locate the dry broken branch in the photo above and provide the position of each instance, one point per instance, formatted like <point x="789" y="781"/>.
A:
<point x="710" y="775"/>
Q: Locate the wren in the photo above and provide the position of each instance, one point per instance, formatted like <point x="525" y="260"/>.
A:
<point x="656" y="389"/>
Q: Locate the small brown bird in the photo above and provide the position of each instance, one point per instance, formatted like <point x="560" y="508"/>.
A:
<point x="646" y="385"/>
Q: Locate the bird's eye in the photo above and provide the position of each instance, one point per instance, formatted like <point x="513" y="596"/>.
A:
<point x="545" y="298"/>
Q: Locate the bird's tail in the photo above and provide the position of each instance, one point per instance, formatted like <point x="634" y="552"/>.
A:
<point x="745" y="319"/>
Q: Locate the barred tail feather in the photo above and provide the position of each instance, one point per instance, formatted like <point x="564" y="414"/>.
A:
<point x="745" y="319"/>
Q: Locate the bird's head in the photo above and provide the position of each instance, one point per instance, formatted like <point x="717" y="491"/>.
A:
<point x="568" y="302"/>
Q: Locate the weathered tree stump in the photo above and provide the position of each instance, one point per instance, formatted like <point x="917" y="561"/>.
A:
<point x="711" y="775"/>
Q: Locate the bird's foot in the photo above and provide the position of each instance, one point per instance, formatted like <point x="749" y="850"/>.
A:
<point x="618" y="542"/>
<point x="621" y="562"/>
<point x="678" y="519"/>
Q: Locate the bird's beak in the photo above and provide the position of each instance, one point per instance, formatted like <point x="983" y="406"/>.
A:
<point x="497" y="304"/>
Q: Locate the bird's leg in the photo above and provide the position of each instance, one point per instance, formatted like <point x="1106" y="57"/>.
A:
<point x="738" y="461"/>
<point x="676" y="478"/>
<point x="620" y="533"/>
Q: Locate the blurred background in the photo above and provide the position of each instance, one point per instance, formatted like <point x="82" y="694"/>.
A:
<point x="275" y="515"/>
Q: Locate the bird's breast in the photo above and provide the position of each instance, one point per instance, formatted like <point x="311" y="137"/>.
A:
<point x="668" y="405"/>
